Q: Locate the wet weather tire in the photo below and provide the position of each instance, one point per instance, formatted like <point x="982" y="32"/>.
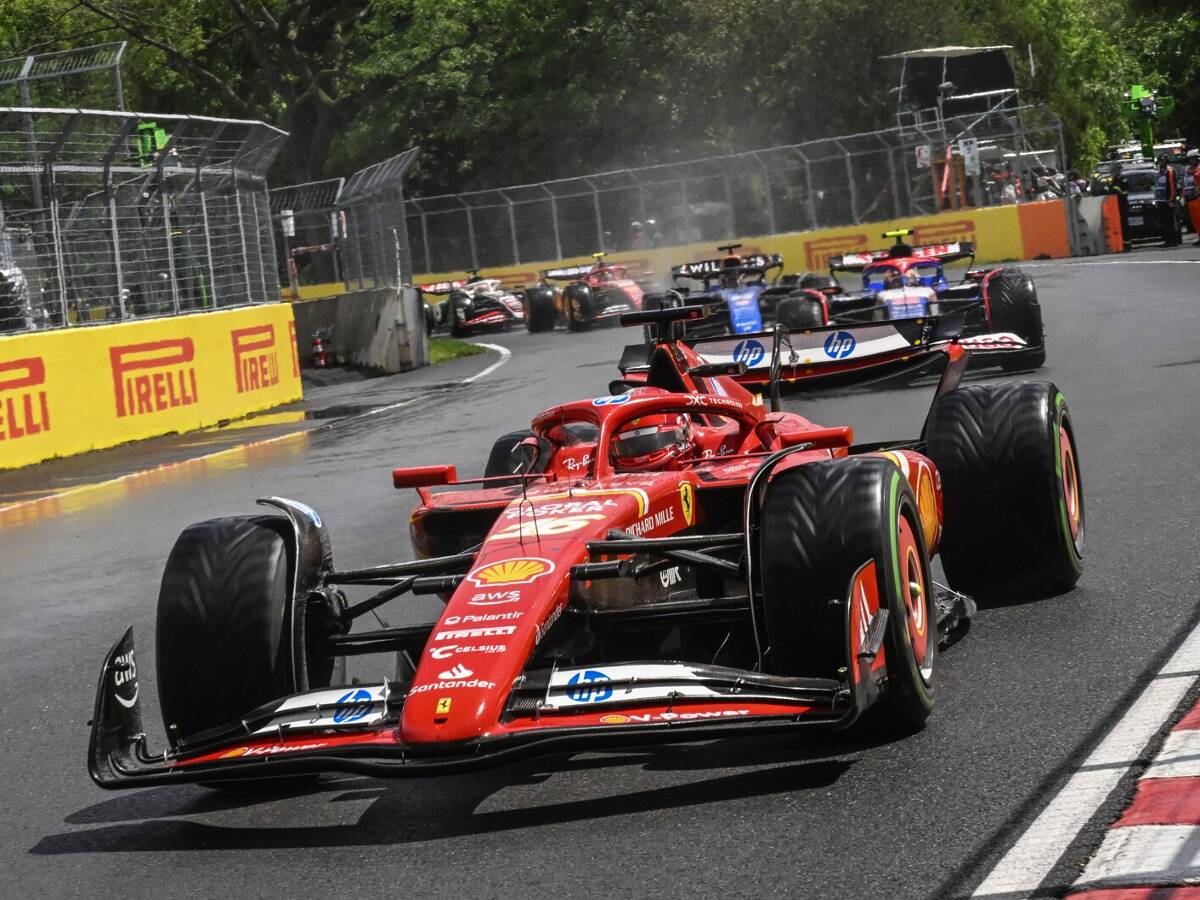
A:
<point x="226" y="639"/>
<point x="1012" y="492"/>
<point x="800" y="312"/>
<point x="820" y="524"/>
<point x="539" y="309"/>
<point x="577" y="299"/>
<point x="1014" y="305"/>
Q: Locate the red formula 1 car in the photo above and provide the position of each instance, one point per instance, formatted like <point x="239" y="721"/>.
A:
<point x="673" y="562"/>
<point x="593" y="293"/>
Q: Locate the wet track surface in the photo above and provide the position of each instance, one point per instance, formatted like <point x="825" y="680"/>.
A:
<point x="1020" y="700"/>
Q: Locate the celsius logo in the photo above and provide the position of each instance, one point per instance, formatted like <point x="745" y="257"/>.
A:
<point x="839" y="345"/>
<point x="256" y="364"/>
<point x="749" y="352"/>
<point x="589" y="686"/>
<point x="352" y="706"/>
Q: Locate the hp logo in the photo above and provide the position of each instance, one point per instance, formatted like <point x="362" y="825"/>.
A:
<point x="839" y="345"/>
<point x="352" y="706"/>
<point x="589" y="686"/>
<point x="749" y="352"/>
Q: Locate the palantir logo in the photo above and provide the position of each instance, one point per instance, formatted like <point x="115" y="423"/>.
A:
<point x="589" y="686"/>
<point x="839" y="345"/>
<point x="24" y="408"/>
<point x="352" y="706"/>
<point x="256" y="364"/>
<point x="749" y="352"/>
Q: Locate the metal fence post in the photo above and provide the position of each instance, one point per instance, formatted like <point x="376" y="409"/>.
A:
<point x="811" y="195"/>
<point x="599" y="219"/>
<point x="237" y="196"/>
<point x="471" y="234"/>
<point x="166" y="214"/>
<point x="512" y="227"/>
<point x="770" y="195"/>
<point x="212" y="273"/>
<point x="554" y="220"/>
<point x="687" y="211"/>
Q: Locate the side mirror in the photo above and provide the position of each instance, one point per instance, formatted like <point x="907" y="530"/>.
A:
<point x="530" y="451"/>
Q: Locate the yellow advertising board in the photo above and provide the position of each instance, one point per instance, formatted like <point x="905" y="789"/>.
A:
<point x="996" y="231"/>
<point x="77" y="389"/>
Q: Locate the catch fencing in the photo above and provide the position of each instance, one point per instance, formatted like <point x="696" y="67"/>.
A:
<point x="108" y="216"/>
<point x="348" y="230"/>
<point x="1002" y="156"/>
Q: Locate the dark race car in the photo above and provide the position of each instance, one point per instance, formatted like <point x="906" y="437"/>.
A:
<point x="740" y="296"/>
<point x="909" y="282"/>
<point x="591" y="293"/>
<point x="672" y="562"/>
<point x="472" y="304"/>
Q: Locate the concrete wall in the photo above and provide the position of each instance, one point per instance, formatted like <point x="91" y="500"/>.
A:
<point x="379" y="329"/>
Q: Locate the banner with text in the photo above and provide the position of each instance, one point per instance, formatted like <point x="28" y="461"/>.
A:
<point x="78" y="389"/>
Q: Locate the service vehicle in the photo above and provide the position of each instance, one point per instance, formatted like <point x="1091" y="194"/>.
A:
<point x="675" y="561"/>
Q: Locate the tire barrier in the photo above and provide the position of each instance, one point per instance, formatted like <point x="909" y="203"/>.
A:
<point x="71" y="390"/>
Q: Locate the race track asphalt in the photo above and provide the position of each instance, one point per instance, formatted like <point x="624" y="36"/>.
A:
<point x="1020" y="700"/>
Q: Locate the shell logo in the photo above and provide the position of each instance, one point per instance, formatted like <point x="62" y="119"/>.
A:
<point x="511" y="571"/>
<point x="614" y="719"/>
<point x="231" y="754"/>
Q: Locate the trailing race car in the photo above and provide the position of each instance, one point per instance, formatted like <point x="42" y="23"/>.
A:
<point x="593" y="293"/>
<point x="907" y="282"/>
<point x="740" y="297"/>
<point x="671" y="562"/>
<point x="471" y="304"/>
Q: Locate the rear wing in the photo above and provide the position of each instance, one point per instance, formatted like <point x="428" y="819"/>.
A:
<point x="856" y="262"/>
<point x="568" y="273"/>
<point x="442" y="287"/>
<point x="707" y="268"/>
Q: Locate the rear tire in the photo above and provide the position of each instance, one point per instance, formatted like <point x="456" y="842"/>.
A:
<point x="506" y="457"/>
<point x="539" y="309"/>
<point x="1012" y="298"/>
<point x="576" y="300"/>
<point x="456" y="308"/>
<point x="820" y="524"/>
<point x="226" y="639"/>
<point x="798" y="312"/>
<point x="1013" y="496"/>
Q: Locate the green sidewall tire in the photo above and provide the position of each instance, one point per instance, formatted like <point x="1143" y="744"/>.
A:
<point x="821" y="522"/>
<point x="1007" y="525"/>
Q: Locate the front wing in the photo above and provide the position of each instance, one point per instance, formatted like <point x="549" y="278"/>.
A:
<point x="355" y="729"/>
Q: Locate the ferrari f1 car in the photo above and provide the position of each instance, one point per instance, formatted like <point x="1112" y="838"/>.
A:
<point x="672" y="562"/>
<point x="740" y="294"/>
<point x="472" y="304"/>
<point x="907" y="282"/>
<point x="591" y="293"/>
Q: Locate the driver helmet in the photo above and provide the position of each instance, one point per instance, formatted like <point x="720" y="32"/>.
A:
<point x="652" y="442"/>
<point x="730" y="272"/>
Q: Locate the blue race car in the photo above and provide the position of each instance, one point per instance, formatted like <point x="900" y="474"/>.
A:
<point x="740" y="296"/>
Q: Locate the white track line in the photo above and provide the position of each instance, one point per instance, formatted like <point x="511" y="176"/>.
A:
<point x="1038" y="850"/>
<point x="1112" y="262"/>
<point x="505" y="354"/>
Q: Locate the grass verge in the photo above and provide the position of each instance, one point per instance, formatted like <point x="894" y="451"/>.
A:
<point x="442" y="349"/>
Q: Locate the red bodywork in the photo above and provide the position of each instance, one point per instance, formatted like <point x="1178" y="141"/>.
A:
<point x="462" y="701"/>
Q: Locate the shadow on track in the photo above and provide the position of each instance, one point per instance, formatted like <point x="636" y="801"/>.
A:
<point x="426" y="809"/>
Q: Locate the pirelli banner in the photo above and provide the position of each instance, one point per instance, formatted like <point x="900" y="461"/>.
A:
<point x="1000" y="234"/>
<point x="77" y="389"/>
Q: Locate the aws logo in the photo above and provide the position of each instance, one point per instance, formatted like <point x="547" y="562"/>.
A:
<point x="24" y="407"/>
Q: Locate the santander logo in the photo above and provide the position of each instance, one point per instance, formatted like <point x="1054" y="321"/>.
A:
<point x="455" y="673"/>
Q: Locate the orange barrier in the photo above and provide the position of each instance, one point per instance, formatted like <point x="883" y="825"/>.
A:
<point x="76" y="389"/>
<point x="1043" y="230"/>
<point x="1114" y="240"/>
